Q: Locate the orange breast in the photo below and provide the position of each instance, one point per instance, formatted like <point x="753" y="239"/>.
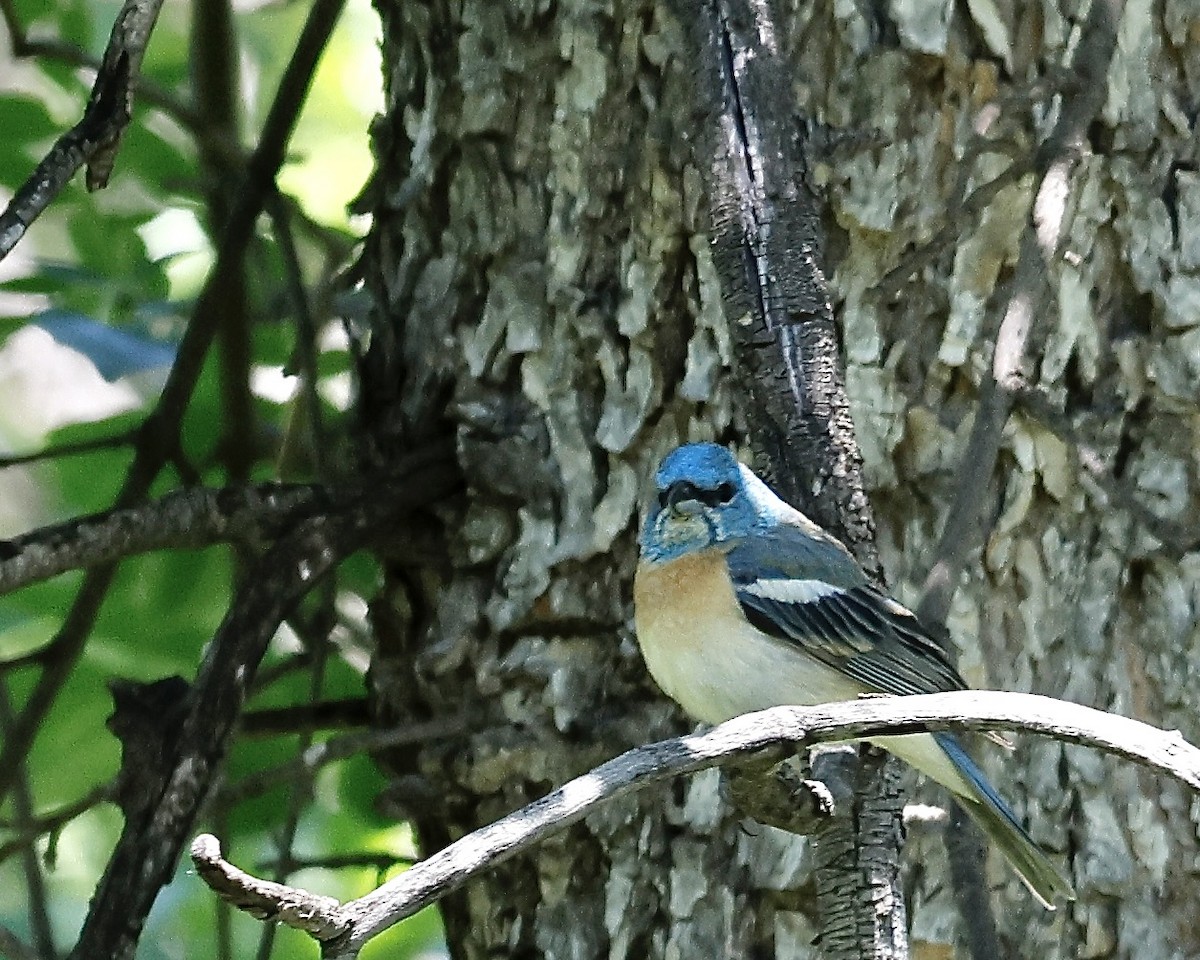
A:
<point x="706" y="656"/>
<point x="688" y="622"/>
<point x="671" y="599"/>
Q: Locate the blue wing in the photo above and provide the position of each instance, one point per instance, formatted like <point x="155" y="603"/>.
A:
<point x="811" y="592"/>
<point x="807" y="590"/>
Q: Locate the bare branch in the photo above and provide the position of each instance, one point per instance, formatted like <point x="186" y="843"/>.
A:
<point x="31" y="864"/>
<point x="38" y="826"/>
<point x="768" y="248"/>
<point x="306" y="354"/>
<point x="299" y="787"/>
<point x="264" y="899"/>
<point x="69" y="449"/>
<point x="341" y="714"/>
<point x="329" y="751"/>
<point x="185" y="519"/>
<point x="95" y="138"/>
<point x="345" y="929"/>
<point x="165" y="99"/>
<point x="122" y="60"/>
<point x="958" y="221"/>
<point x="152" y="93"/>
<point x="1055" y="163"/>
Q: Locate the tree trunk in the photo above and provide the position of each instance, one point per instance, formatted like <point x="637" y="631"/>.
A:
<point x="546" y="294"/>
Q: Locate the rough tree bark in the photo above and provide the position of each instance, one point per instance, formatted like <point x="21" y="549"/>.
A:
<point x="769" y="252"/>
<point x="546" y="294"/>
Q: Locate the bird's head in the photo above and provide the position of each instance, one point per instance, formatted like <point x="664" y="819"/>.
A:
<point x="705" y="498"/>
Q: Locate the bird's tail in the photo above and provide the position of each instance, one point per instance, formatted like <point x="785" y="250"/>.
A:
<point x="993" y="816"/>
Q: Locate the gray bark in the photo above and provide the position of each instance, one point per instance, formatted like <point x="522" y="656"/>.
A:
<point x="546" y="294"/>
<point x="769" y="252"/>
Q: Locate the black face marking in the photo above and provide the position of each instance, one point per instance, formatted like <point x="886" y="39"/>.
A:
<point x="683" y="490"/>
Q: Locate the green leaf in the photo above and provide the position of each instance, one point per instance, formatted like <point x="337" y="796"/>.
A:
<point x="203" y="423"/>
<point x="29" y="131"/>
<point x="94" y="752"/>
<point x="162" y="611"/>
<point x="90" y="482"/>
<point x="116" y="426"/>
<point x="421" y="933"/>
<point x="164" y="167"/>
<point x="109" y="245"/>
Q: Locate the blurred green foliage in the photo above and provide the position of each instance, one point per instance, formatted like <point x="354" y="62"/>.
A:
<point x="130" y="259"/>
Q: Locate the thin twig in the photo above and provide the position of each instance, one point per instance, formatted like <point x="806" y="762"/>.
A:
<point x="344" y="929"/>
<point x="315" y="756"/>
<point x="1039" y="248"/>
<point x="215" y="76"/>
<point x="282" y="669"/>
<point x="122" y="57"/>
<point x="300" y="785"/>
<point x="306" y="337"/>
<point x="1054" y="164"/>
<point x="35" y="882"/>
<point x="185" y="519"/>
<point x="58" y="658"/>
<point x="90" y="445"/>
<point x="37" y="827"/>
<point x="25" y="47"/>
<point x="958" y="222"/>
<point x="95" y="138"/>
<point x="322" y="715"/>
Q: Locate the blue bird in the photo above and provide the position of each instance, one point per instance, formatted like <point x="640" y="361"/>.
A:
<point x="742" y="603"/>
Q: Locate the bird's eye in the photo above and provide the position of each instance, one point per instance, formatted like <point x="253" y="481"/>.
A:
<point x="679" y="492"/>
<point x="683" y="492"/>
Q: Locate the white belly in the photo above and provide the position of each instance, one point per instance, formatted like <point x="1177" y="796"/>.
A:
<point x="709" y="659"/>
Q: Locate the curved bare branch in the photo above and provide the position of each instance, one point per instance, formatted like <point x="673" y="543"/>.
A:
<point x="344" y="929"/>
